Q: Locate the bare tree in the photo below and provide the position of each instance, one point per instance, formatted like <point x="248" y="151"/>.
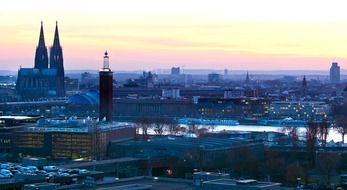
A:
<point x="144" y="124"/>
<point x="323" y="132"/>
<point x="311" y="139"/>
<point x="192" y="127"/>
<point x="341" y="126"/>
<point x="340" y="114"/>
<point x="294" y="136"/>
<point x="173" y="127"/>
<point x="159" y="125"/>
<point x="201" y="131"/>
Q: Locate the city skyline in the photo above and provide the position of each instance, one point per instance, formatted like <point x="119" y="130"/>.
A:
<point x="159" y="34"/>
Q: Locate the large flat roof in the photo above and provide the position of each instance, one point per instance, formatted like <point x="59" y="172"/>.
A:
<point x="152" y="183"/>
<point x="101" y="162"/>
<point x="245" y="183"/>
<point x="204" y="143"/>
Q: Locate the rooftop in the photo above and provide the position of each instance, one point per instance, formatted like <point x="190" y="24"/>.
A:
<point x="152" y="183"/>
<point x="74" y="125"/>
<point x="205" y="143"/>
<point x="244" y="183"/>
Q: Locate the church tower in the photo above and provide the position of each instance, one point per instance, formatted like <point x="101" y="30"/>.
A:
<point x="41" y="56"/>
<point x="304" y="86"/>
<point x="57" y="62"/>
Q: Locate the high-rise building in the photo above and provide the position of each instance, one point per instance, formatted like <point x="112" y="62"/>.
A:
<point x="334" y="73"/>
<point x="213" y="78"/>
<point x="44" y="80"/>
<point x="175" y="70"/>
<point x="106" y="89"/>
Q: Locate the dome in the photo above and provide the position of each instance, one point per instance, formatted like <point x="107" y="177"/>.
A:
<point x="90" y="98"/>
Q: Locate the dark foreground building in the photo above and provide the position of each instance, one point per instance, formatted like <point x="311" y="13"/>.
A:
<point x="182" y="155"/>
<point x="46" y="79"/>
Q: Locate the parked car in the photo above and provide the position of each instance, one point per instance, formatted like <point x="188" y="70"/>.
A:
<point x="5" y="172"/>
<point x="5" y="166"/>
<point x="32" y="169"/>
<point x="50" y="168"/>
<point x="84" y="171"/>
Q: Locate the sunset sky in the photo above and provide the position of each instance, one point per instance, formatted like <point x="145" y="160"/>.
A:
<point x="158" y="34"/>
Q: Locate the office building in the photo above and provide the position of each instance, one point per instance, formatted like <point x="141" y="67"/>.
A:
<point x="69" y="139"/>
<point x="301" y="110"/>
<point x="214" y="78"/>
<point x="175" y="71"/>
<point x="334" y="73"/>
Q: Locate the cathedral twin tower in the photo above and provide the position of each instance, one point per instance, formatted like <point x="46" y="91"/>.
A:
<point x="47" y="77"/>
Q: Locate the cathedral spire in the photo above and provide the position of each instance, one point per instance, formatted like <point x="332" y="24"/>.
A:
<point x="247" y="78"/>
<point x="56" y="42"/>
<point x="57" y="62"/>
<point x="42" y="37"/>
<point x="41" y="56"/>
<point x="304" y="82"/>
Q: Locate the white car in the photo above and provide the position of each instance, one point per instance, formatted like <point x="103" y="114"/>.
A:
<point x="3" y="176"/>
<point x="5" y="172"/>
<point x="84" y="171"/>
<point x="5" y="166"/>
<point x="50" y="168"/>
<point x="32" y="169"/>
<point x="25" y="170"/>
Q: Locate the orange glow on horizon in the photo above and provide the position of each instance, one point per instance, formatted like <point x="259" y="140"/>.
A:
<point x="158" y="34"/>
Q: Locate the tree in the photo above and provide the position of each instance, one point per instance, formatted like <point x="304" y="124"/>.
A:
<point x="327" y="165"/>
<point x="192" y="127"/>
<point x="201" y="131"/>
<point x="341" y="126"/>
<point x="244" y="162"/>
<point x="311" y="139"/>
<point x="323" y="132"/>
<point x="173" y="127"/>
<point x="144" y="124"/>
<point x="340" y="116"/>
<point x="294" y="137"/>
<point x="294" y="172"/>
<point x="159" y="125"/>
<point x="273" y="166"/>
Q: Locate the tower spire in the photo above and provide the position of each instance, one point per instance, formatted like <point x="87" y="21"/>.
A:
<point x="57" y="61"/>
<point x="41" y="55"/>
<point x="247" y="78"/>
<point x="56" y="42"/>
<point x="41" y="37"/>
<point x="106" y="64"/>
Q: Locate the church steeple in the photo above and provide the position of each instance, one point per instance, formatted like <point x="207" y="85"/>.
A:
<point x="57" y="61"/>
<point x="42" y="37"/>
<point x="41" y="56"/>
<point x="56" y="42"/>
<point x="304" y="86"/>
<point x="304" y="82"/>
<point x="247" y="78"/>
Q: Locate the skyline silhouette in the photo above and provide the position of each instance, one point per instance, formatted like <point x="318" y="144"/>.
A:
<point x="246" y="35"/>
